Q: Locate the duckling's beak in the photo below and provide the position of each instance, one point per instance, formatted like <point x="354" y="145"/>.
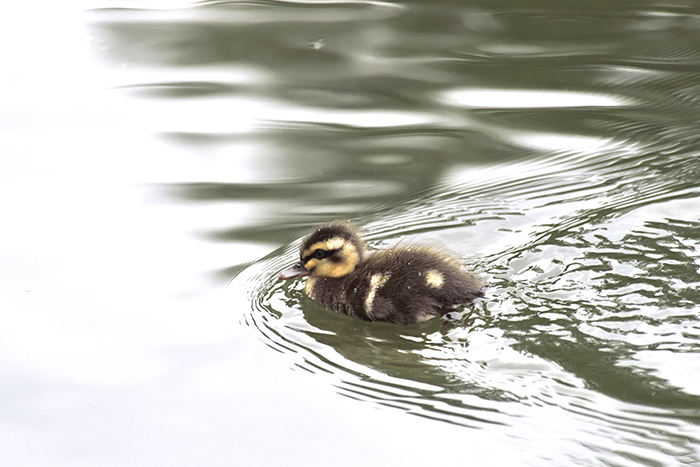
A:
<point x="297" y="270"/>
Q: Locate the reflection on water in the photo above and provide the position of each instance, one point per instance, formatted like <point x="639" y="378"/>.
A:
<point x="553" y="147"/>
<point x="571" y="313"/>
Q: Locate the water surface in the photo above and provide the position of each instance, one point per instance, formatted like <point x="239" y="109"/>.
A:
<point x="169" y="178"/>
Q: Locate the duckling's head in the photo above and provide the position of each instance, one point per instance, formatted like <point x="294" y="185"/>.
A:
<point x="331" y="250"/>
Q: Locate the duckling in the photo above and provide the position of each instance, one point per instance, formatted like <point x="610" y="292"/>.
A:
<point x="399" y="285"/>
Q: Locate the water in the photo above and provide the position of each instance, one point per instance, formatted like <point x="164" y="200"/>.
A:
<point x="162" y="161"/>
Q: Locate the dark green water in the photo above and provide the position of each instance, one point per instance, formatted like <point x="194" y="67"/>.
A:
<point x="163" y="159"/>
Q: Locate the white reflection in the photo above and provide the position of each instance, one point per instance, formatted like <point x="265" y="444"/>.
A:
<point x="147" y="4"/>
<point x="566" y="143"/>
<point x="680" y="369"/>
<point x="179" y="4"/>
<point x="525" y="99"/>
<point x="354" y="118"/>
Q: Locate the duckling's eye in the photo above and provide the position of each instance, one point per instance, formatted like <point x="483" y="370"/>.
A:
<point x="320" y="254"/>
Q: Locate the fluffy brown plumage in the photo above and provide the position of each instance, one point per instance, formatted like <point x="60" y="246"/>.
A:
<point x="399" y="285"/>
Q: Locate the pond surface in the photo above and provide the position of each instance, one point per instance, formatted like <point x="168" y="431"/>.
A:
<point x="161" y="161"/>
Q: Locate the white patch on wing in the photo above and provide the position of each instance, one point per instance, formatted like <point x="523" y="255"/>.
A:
<point x="434" y="279"/>
<point x="375" y="283"/>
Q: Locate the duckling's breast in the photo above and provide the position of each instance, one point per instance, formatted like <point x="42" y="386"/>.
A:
<point x="336" y="294"/>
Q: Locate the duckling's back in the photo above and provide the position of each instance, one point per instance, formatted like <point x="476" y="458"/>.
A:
<point x="400" y="285"/>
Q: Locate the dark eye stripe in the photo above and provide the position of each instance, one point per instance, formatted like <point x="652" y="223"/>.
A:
<point x="326" y="254"/>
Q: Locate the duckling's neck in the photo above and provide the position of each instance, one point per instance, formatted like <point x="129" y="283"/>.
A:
<point x="309" y="286"/>
<point x="312" y="283"/>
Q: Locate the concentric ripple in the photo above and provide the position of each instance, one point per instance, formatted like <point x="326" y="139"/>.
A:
<point x="589" y="283"/>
